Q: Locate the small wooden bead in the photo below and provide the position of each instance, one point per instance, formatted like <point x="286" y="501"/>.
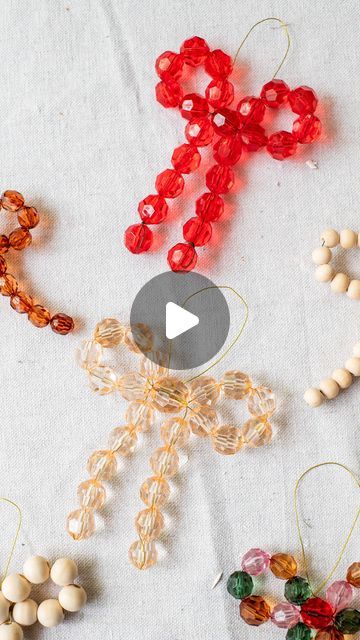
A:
<point x="64" y="572"/>
<point x="16" y="588"/>
<point x="329" y="388"/>
<point x="36" y="569"/>
<point x="348" y="239"/>
<point x="321" y="255"/>
<point x="340" y="283"/>
<point x="343" y="377"/>
<point x="324" y="273"/>
<point x="4" y="608"/>
<point x="330" y="238"/>
<point x="356" y="350"/>
<point x="354" y="290"/>
<point x="313" y="397"/>
<point x="11" y="631"/>
<point x="50" y="613"/>
<point x="72" y="598"/>
<point x="25" y="613"/>
<point x="352" y="365"/>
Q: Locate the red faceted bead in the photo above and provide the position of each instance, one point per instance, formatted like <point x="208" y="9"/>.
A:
<point x="282" y="145"/>
<point x="253" y="136"/>
<point x="307" y="128"/>
<point x="220" y="179"/>
<point x="251" y="109"/>
<point x="169" y="183"/>
<point x="186" y="158"/>
<point x="153" y="209"/>
<point x="138" y="238"/>
<point x="227" y="151"/>
<point x="219" y="93"/>
<point x="275" y="93"/>
<point x="317" y="613"/>
<point x="303" y="100"/>
<point x="199" y="131"/>
<point x="209" y="207"/>
<point x="182" y="257"/>
<point x="195" y="51"/>
<point x="169" y="93"/>
<point x="194" y="106"/>
<point x="5" y="244"/>
<point x="3" y="266"/>
<point x="218" y="64"/>
<point x="226" y="122"/>
<point x="197" y="231"/>
<point x="169" y="65"/>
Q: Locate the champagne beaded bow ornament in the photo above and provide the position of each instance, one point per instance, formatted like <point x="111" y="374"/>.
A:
<point x="193" y="407"/>
<point x="303" y="613"/>
<point x="230" y="131"/>
<point x="19" y="239"/>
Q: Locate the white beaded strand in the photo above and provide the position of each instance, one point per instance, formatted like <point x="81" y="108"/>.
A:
<point x="321" y="256"/>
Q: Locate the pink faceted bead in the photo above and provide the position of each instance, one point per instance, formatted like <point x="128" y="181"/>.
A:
<point x="255" y="562"/>
<point x="285" y="615"/>
<point x="339" y="595"/>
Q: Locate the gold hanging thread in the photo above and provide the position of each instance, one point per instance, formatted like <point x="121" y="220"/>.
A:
<point x="287" y="33"/>
<point x="16" y="536"/>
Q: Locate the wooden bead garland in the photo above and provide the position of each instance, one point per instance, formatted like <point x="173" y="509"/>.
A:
<point x="191" y="407"/>
<point x="18" y="610"/>
<point x="339" y="282"/>
<point x="340" y="379"/>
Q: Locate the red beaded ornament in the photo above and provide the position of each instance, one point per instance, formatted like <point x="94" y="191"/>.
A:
<point x="211" y="121"/>
<point x="19" y="239"/>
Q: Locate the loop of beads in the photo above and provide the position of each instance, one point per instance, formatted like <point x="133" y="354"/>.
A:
<point x="18" y="240"/>
<point x="18" y="610"/>
<point x="302" y="613"/>
<point x="191" y="408"/>
<point x="339" y="282"/>
<point x="330" y="388"/>
<point x="230" y="131"/>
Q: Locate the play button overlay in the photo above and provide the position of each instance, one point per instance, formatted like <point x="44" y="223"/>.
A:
<point x="188" y="316"/>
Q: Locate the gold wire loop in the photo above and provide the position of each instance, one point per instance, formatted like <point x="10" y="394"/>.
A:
<point x="284" y="27"/>
<point x="16" y="536"/>
<point x="347" y="540"/>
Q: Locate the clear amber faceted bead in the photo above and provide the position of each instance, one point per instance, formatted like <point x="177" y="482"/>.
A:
<point x="39" y="316"/>
<point x="254" y="610"/>
<point x="91" y="494"/>
<point x="89" y="354"/>
<point x="155" y="491"/>
<point x="155" y="365"/>
<point x="236" y="385"/>
<point x="149" y="523"/>
<point x="283" y="566"/>
<point x="28" y="217"/>
<point x="261" y="402"/>
<point x="165" y="461"/>
<point x="227" y="439"/>
<point x="109" y="333"/>
<point x="62" y="324"/>
<point x="80" y="524"/>
<point x="12" y="200"/>
<point x="143" y="554"/>
<point x="175" y="431"/>
<point x="8" y="285"/>
<point x="123" y="440"/>
<point x="102" y="379"/>
<point x="256" y="432"/>
<point x="20" y="238"/>
<point x="4" y="244"/>
<point x="204" y="390"/>
<point x="132" y="386"/>
<point x="353" y="575"/>
<point x="203" y="419"/>
<point x="140" y="415"/>
<point x="102" y="465"/>
<point x="139" y="338"/>
<point x="21" y="302"/>
<point x="169" y="395"/>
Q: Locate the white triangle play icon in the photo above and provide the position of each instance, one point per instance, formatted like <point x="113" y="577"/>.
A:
<point x="178" y="320"/>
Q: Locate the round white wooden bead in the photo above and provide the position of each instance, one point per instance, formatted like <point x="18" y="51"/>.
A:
<point x="16" y="588"/>
<point x="329" y="388"/>
<point x="353" y="365"/>
<point x="36" y="570"/>
<point x="324" y="273"/>
<point x="340" y="283"/>
<point x="356" y="350"/>
<point x="330" y="238"/>
<point x="4" y="608"/>
<point x="11" y="631"/>
<point x="348" y="239"/>
<point x="72" y="598"/>
<point x="354" y="290"/>
<point x="313" y="397"/>
<point x="64" y="572"/>
<point x="25" y="613"/>
<point x="321" y="255"/>
<point x="343" y="377"/>
<point x="50" y="613"/>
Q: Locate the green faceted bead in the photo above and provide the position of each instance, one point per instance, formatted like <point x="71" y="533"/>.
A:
<point x="240" y="585"/>
<point x="297" y="590"/>
<point x="300" y="632"/>
<point x="348" y="621"/>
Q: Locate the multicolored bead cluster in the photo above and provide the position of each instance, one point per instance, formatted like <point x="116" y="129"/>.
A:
<point x="211" y="121"/>
<point x="192" y="407"/>
<point x="303" y="614"/>
<point x="20" y="239"/>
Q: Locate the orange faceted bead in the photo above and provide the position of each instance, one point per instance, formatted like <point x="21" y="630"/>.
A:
<point x="123" y="440"/>
<point x="28" y="217"/>
<point x="80" y="524"/>
<point x="20" y="238"/>
<point x="21" y="302"/>
<point x="227" y="440"/>
<point x="62" y="324"/>
<point x="257" y="432"/>
<point x="353" y="575"/>
<point x="8" y="285"/>
<point x="102" y="465"/>
<point x="143" y="554"/>
<point x="12" y="200"/>
<point x="149" y="524"/>
<point x="39" y="316"/>
<point x="91" y="494"/>
<point x="204" y="390"/>
<point x="283" y="566"/>
<point x="254" y="610"/>
<point x="165" y="461"/>
<point x="155" y="491"/>
<point x="4" y="244"/>
<point x="203" y="420"/>
<point x="169" y="395"/>
<point x="3" y="266"/>
<point x="175" y="431"/>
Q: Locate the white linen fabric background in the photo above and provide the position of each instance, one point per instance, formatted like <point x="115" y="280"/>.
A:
<point x="83" y="139"/>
